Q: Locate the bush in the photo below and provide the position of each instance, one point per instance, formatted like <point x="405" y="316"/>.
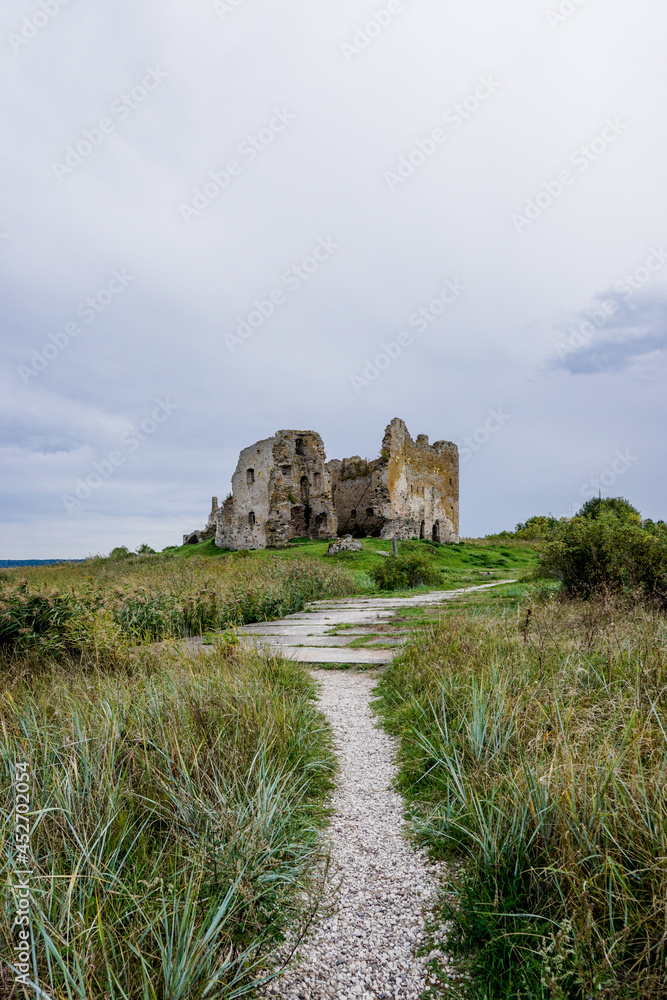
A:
<point x="537" y="527"/>
<point x="604" y="551"/>
<point x="404" y="572"/>
<point x="618" y="506"/>
<point x="120" y="552"/>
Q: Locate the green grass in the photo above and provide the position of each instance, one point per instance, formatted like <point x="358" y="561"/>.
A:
<point x="533" y="755"/>
<point x="105" y="606"/>
<point x="175" y="815"/>
<point x="460" y="565"/>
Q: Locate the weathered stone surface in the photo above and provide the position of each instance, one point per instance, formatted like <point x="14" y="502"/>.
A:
<point x="412" y="490"/>
<point x="281" y="490"/>
<point x="284" y="488"/>
<point x="346" y="544"/>
<point x="209" y="531"/>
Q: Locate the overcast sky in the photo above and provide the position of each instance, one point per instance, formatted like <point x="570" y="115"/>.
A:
<point x="221" y="219"/>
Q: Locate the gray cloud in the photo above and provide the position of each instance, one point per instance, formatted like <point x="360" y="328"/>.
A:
<point x="593" y="344"/>
<point x="162" y="334"/>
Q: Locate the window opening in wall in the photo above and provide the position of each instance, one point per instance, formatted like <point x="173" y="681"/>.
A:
<point x="321" y="524"/>
<point x="353" y="513"/>
<point x="317" y="480"/>
<point x="304" y="488"/>
<point x="250" y="476"/>
<point x="251" y="518"/>
<point x="435" y="534"/>
<point x="369" y="512"/>
<point x="422" y="530"/>
<point x="299" y="446"/>
<point x="287" y="471"/>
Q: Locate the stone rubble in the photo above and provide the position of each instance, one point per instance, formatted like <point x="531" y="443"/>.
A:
<point x="366" y="949"/>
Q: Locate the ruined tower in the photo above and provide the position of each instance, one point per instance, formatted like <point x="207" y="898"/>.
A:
<point x="281" y="490"/>
<point x="284" y="488"/>
<point x="412" y="490"/>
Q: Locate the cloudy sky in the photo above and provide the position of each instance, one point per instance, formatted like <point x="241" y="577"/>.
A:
<point x="226" y="217"/>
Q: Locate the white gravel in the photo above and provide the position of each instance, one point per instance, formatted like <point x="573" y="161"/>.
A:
<point x="367" y="948"/>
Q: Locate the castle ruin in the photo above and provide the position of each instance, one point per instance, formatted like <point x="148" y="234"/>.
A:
<point x="280" y="490"/>
<point x="411" y="491"/>
<point x="284" y="488"/>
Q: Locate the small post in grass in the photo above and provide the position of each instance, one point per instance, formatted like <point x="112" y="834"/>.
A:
<point x="394" y="547"/>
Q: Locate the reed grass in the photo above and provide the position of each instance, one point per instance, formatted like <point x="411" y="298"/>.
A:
<point x="103" y="606"/>
<point x="533" y="748"/>
<point x="176" y="804"/>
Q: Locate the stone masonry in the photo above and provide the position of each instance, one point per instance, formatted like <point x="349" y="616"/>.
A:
<point x="210" y="529"/>
<point x="284" y="488"/>
<point x="280" y="490"/>
<point x="412" y="490"/>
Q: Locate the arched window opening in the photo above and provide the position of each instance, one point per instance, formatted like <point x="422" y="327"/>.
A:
<point x="251" y="518"/>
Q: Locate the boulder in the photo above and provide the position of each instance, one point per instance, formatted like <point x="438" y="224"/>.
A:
<point x="346" y="544"/>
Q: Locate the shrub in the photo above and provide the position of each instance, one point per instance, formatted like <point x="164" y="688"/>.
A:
<point x="120" y="552"/>
<point x="404" y="572"/>
<point x="618" y="506"/>
<point x="609" y="552"/>
<point x="537" y="527"/>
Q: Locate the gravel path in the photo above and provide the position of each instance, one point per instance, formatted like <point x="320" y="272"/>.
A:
<point x="366" y="949"/>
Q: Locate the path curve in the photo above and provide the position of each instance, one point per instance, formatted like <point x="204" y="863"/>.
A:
<point x="310" y="636"/>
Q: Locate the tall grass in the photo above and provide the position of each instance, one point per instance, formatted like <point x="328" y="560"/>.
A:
<point x="534" y="748"/>
<point x="105" y="605"/>
<point x="175" y="808"/>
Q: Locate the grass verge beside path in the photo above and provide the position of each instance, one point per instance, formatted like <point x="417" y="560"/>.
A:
<point x="99" y="609"/>
<point x="533" y="749"/>
<point x="174" y="814"/>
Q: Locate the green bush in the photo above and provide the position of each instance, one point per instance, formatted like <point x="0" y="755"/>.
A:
<point x="120" y="552"/>
<point x="537" y="527"/>
<point x="609" y="552"/>
<point x="618" y="506"/>
<point x="405" y="572"/>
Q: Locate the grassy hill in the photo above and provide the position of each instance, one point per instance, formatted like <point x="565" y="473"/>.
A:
<point x="471" y="562"/>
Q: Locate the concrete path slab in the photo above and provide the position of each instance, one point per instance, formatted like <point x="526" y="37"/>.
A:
<point x="307" y="636"/>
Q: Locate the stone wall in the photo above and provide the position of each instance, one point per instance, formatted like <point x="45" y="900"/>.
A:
<point x="284" y="488"/>
<point x="412" y="490"/>
<point x="209" y="531"/>
<point x="281" y="489"/>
